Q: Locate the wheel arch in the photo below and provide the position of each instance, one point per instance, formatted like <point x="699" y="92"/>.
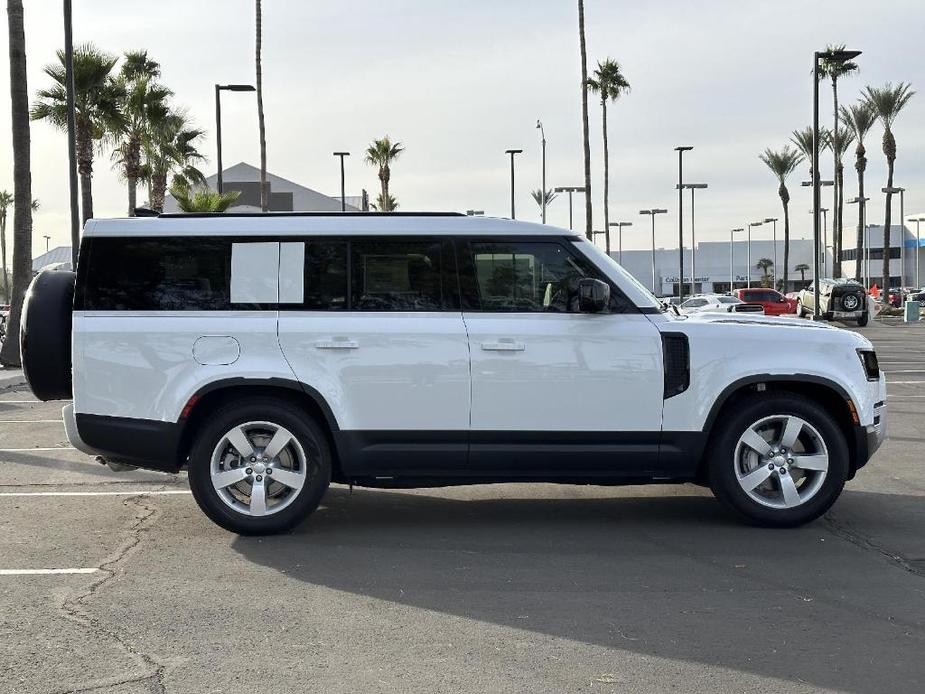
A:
<point x="218" y="393"/>
<point x="831" y="395"/>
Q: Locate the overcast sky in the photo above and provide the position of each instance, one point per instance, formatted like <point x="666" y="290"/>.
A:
<point x="459" y="82"/>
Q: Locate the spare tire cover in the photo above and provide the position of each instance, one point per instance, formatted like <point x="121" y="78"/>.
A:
<point x="45" y="334"/>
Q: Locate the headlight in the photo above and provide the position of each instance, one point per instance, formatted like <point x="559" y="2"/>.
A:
<point x="871" y="365"/>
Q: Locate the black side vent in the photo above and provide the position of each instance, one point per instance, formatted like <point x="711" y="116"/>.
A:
<point x="677" y="357"/>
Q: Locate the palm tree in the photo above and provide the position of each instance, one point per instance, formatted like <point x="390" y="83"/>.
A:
<point x="765" y="265"/>
<point x="782" y="163"/>
<point x="22" y="181"/>
<point x="802" y="268"/>
<point x="145" y="108"/>
<point x="838" y="142"/>
<point x="202" y="199"/>
<point x="803" y="141"/>
<point x="5" y="201"/>
<point x="538" y="196"/>
<point x="264" y="196"/>
<point x="382" y="153"/>
<point x="98" y="101"/>
<point x="610" y="83"/>
<point x="859" y="118"/>
<point x="887" y="102"/>
<point x="834" y="69"/>
<point x="585" y="138"/>
<point x="171" y="149"/>
<point x="381" y="206"/>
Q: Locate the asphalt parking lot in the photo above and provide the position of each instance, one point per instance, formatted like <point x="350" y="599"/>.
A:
<point x="532" y="588"/>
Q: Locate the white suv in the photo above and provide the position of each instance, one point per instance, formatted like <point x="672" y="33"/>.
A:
<point x="274" y="354"/>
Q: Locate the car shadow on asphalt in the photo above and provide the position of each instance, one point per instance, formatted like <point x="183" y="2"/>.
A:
<point x="669" y="576"/>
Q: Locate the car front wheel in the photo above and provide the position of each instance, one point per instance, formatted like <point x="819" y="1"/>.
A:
<point x="780" y="460"/>
<point x="258" y="468"/>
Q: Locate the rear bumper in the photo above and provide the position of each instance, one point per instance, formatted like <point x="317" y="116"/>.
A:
<point x="140" y="442"/>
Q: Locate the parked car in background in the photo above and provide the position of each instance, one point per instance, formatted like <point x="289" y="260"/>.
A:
<point x="917" y="295"/>
<point x="718" y="303"/>
<point x="839" y="299"/>
<point x="773" y="302"/>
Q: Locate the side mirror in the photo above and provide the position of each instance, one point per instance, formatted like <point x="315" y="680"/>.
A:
<point x="593" y="295"/>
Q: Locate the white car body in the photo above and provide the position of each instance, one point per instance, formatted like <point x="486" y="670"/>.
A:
<point x="451" y="393"/>
<point x="717" y="303"/>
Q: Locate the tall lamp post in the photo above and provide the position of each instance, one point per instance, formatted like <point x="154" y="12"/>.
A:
<point x="832" y="56"/>
<point x="652" y="213"/>
<point x="620" y="226"/>
<point x="902" y="232"/>
<point x="47" y="239"/>
<point x="71" y="134"/>
<point x="343" y="197"/>
<point x="773" y="220"/>
<point x="861" y="265"/>
<point x="512" y="152"/>
<point x="692" y="187"/>
<point x="681" y="150"/>
<point x="219" y="88"/>
<point x="822" y="210"/>
<point x="748" y="274"/>
<point x="732" y="232"/>
<point x="918" y="242"/>
<point x="570" y="190"/>
<point x="539" y="126"/>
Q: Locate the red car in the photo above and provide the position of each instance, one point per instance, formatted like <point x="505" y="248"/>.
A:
<point x="774" y="303"/>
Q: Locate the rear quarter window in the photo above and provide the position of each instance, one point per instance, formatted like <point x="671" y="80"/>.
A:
<point x="154" y="274"/>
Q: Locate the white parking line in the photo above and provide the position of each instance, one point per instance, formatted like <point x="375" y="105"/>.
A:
<point x="28" y="421"/>
<point x="20" y="402"/>
<point x="28" y="450"/>
<point x="903" y="383"/>
<point x="133" y="492"/>
<point x="45" y="572"/>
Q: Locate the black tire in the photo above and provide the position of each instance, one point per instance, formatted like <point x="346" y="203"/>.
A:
<point x="45" y="334"/>
<point x="863" y="320"/>
<point x="721" y="458"/>
<point x="264" y="409"/>
<point x="800" y="312"/>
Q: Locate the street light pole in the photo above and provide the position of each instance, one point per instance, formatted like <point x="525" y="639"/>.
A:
<point x="902" y="232"/>
<point x="219" y="88"/>
<point x="773" y="220"/>
<point x="693" y="187"/>
<point x="569" y="190"/>
<point x="343" y="197"/>
<point x="748" y="274"/>
<point x="652" y="213"/>
<point x="731" y="247"/>
<point x="47" y="239"/>
<point x="512" y="152"/>
<point x="539" y="125"/>
<point x="918" y="242"/>
<point x="862" y="209"/>
<point x="620" y="226"/>
<point x="681" y="150"/>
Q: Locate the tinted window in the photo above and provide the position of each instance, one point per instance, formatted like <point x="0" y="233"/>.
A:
<point x="728" y="300"/>
<point x="155" y="274"/>
<point x="694" y="303"/>
<point x="325" y="276"/>
<point x="396" y="276"/>
<point x="528" y="277"/>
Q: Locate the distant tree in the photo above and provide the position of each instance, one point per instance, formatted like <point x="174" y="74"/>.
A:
<point x="382" y="153"/>
<point x="381" y="206"/>
<point x="834" y="70"/>
<point x="610" y="84"/>
<point x="261" y="124"/>
<point x="537" y="196"/>
<point x="860" y="118"/>
<point x="887" y="102"/>
<point x="838" y="142"/>
<point x="22" y="180"/>
<point x="172" y="150"/>
<point x="144" y="108"/>
<point x="202" y="199"/>
<point x="585" y="134"/>
<point x="802" y="268"/>
<point x="765" y="265"/>
<point x="782" y="163"/>
<point x="803" y="141"/>
<point x="98" y="100"/>
<point x="6" y="199"/>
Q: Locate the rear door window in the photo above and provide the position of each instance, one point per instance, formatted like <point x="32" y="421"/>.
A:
<point x="391" y="275"/>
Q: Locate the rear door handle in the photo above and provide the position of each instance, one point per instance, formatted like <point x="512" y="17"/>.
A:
<point x="337" y="343"/>
<point x="504" y="345"/>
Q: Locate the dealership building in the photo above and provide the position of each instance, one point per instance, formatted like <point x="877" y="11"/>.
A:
<point x="719" y="264"/>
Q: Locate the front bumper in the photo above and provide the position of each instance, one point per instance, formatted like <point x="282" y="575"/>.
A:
<point x="868" y="439"/>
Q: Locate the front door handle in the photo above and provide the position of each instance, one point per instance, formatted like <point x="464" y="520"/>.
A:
<point x="505" y="344"/>
<point x="337" y="343"/>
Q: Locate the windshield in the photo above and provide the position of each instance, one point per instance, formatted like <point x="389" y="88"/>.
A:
<point x="642" y="296"/>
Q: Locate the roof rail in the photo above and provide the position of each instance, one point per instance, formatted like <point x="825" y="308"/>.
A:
<point x="171" y="215"/>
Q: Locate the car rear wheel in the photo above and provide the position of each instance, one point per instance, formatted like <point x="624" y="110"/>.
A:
<point x="862" y="321"/>
<point x="258" y="468"/>
<point x="780" y="460"/>
<point x="45" y="334"/>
